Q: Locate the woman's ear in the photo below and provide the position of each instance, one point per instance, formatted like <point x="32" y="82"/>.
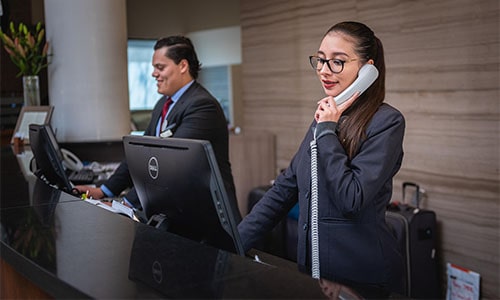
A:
<point x="370" y="61"/>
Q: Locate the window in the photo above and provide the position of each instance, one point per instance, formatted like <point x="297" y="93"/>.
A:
<point x="216" y="81"/>
<point x="141" y="85"/>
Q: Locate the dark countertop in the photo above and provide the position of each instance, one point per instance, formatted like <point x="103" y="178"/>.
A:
<point x="73" y="249"/>
<point x="78" y="249"/>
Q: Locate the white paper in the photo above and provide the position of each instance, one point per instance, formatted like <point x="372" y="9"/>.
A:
<point x="115" y="207"/>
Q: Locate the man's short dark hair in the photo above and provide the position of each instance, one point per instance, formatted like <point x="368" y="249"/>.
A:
<point x="179" y="48"/>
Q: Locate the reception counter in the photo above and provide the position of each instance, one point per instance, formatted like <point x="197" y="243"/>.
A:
<point x="65" y="247"/>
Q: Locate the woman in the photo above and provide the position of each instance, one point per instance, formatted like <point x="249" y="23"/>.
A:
<point x="358" y="147"/>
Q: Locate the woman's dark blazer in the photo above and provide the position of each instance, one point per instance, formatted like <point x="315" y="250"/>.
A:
<point x="355" y="242"/>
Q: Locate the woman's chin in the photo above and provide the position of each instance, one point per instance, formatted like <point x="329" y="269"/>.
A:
<point x="330" y="93"/>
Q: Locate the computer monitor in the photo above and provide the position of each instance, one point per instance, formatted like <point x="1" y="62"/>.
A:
<point x="179" y="179"/>
<point x="49" y="158"/>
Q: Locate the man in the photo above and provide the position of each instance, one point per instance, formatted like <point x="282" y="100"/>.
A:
<point x="193" y="113"/>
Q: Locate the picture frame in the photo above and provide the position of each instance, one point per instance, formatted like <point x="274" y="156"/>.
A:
<point x="31" y="115"/>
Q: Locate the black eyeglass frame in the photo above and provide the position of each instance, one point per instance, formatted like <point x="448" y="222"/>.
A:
<point x="327" y="61"/>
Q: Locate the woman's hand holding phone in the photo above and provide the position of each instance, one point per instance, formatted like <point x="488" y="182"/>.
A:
<point x="328" y="110"/>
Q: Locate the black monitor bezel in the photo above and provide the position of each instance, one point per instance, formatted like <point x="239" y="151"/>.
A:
<point x="220" y="199"/>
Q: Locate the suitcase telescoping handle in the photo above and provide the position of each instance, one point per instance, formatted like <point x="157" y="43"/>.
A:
<point x="417" y="191"/>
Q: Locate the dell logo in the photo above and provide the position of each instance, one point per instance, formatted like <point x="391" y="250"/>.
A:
<point x="153" y="167"/>
<point x="157" y="272"/>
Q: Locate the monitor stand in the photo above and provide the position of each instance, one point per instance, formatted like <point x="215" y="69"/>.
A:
<point x="159" y="221"/>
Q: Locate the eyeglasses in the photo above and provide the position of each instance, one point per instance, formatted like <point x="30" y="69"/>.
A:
<point x="336" y="65"/>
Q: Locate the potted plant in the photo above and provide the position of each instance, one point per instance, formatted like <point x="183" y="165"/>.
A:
<point x="28" y="51"/>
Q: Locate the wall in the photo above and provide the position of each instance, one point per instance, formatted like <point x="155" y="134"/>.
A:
<point x="218" y="47"/>
<point x="157" y="18"/>
<point x="443" y="74"/>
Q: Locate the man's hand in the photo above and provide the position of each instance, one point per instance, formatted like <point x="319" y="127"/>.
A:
<point x="91" y="192"/>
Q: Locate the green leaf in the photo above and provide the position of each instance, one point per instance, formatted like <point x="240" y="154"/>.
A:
<point x="29" y="53"/>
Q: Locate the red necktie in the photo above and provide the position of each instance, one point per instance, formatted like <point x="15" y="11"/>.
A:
<point x="164" y="111"/>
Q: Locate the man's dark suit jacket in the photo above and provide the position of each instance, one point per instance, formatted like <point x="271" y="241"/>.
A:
<point x="196" y="115"/>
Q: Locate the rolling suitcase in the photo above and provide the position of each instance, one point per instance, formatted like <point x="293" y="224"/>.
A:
<point x="415" y="230"/>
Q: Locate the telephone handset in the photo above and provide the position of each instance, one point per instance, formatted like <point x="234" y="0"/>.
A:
<point x="71" y="161"/>
<point x="366" y="76"/>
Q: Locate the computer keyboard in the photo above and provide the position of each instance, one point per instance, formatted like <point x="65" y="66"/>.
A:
<point x="84" y="176"/>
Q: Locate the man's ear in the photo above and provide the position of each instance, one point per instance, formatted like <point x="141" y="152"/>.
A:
<point x="184" y="66"/>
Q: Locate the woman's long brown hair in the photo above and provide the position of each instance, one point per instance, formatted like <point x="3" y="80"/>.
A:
<point x="352" y="128"/>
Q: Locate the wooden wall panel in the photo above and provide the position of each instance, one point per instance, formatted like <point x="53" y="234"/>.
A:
<point x="442" y="60"/>
<point x="252" y="156"/>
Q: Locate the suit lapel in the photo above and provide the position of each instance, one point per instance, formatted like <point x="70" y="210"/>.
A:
<point x="180" y="104"/>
